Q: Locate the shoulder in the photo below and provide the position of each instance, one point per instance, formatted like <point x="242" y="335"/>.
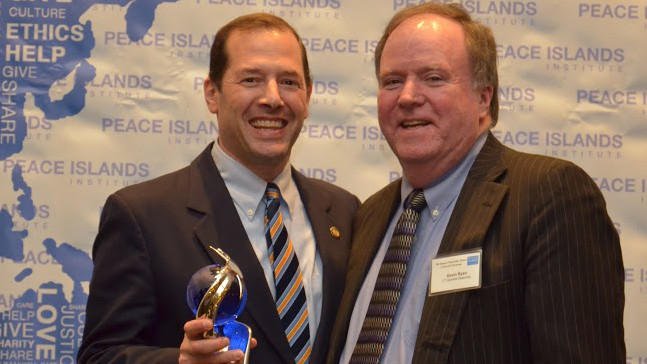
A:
<point x="500" y="162"/>
<point x="542" y="168"/>
<point x="175" y="184"/>
<point x="156" y="192"/>
<point x="542" y="180"/>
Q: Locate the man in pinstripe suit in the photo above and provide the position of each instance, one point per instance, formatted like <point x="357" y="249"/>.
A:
<point x="549" y="287"/>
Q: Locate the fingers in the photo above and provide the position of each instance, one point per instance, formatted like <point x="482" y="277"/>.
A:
<point x="225" y="357"/>
<point x="195" y="348"/>
<point x="208" y="351"/>
<point x="232" y="356"/>
<point x="195" y="329"/>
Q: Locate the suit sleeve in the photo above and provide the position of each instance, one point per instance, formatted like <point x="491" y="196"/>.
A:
<point x="120" y="312"/>
<point x="574" y="290"/>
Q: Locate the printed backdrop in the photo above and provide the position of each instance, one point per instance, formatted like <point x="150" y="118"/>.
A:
<point x="100" y="94"/>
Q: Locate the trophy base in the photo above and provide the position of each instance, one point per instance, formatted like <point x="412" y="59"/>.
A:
<point x="239" y="336"/>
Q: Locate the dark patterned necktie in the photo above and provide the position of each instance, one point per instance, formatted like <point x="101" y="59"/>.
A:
<point x="390" y="281"/>
<point x="290" y="295"/>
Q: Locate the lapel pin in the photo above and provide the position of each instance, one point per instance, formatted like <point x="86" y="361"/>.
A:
<point x="334" y="232"/>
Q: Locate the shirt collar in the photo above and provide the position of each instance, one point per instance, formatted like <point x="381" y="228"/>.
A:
<point x="440" y="194"/>
<point x="247" y="189"/>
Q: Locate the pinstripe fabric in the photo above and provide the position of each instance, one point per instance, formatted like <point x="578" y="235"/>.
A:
<point x="552" y="272"/>
<point x="290" y="294"/>
<point x="390" y="280"/>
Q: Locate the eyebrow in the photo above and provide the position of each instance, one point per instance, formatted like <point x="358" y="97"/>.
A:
<point x="258" y="70"/>
<point x="249" y="70"/>
<point x="423" y="69"/>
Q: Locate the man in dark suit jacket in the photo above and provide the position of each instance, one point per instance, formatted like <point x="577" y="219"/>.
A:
<point x="155" y="235"/>
<point x="549" y="283"/>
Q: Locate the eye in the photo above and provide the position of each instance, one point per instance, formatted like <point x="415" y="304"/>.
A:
<point x="250" y="81"/>
<point x="391" y="83"/>
<point x="434" y="78"/>
<point x="291" y="83"/>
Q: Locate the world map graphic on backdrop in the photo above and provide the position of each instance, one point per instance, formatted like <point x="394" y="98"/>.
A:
<point x="40" y="44"/>
<point x="97" y="95"/>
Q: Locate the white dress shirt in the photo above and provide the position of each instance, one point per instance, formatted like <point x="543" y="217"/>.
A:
<point x="247" y="191"/>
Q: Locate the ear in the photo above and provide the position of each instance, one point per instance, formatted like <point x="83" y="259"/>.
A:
<point x="485" y="98"/>
<point x="308" y="93"/>
<point x="211" y="94"/>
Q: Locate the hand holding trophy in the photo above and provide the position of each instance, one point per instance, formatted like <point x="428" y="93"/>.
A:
<point x="218" y="292"/>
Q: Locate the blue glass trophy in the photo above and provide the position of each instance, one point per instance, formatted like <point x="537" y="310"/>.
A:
<point x="218" y="292"/>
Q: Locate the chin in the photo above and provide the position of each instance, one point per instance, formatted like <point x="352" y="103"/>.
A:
<point x="272" y="154"/>
<point x="414" y="155"/>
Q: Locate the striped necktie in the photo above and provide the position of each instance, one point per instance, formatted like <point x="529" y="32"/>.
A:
<point x="290" y="295"/>
<point x="390" y="281"/>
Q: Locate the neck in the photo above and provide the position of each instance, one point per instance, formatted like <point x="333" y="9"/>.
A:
<point x="422" y="175"/>
<point x="426" y="172"/>
<point x="265" y="168"/>
<point x="266" y="172"/>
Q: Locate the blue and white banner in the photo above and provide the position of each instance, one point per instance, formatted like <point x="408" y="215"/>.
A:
<point x="96" y="95"/>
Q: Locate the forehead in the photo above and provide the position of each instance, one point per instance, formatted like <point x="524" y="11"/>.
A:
<point x="427" y="31"/>
<point x="247" y="45"/>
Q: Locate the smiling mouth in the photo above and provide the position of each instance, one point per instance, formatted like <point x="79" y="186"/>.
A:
<point x="414" y="123"/>
<point x="267" y="124"/>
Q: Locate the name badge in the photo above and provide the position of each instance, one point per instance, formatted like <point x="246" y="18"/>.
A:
<point x="455" y="272"/>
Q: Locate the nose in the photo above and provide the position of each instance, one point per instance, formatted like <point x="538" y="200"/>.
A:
<point x="410" y="95"/>
<point x="271" y="95"/>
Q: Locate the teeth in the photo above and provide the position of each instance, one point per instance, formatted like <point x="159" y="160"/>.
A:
<point x="412" y="123"/>
<point x="267" y="124"/>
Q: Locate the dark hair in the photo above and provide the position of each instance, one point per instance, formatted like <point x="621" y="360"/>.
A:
<point x="219" y="59"/>
<point x="479" y="40"/>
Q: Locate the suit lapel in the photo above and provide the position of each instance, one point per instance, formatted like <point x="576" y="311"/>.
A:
<point x="368" y="237"/>
<point x="369" y="227"/>
<point x="478" y="201"/>
<point x="221" y="227"/>
<point x="475" y="209"/>
<point x="318" y="203"/>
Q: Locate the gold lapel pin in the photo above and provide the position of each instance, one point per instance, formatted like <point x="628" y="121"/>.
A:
<point x="334" y="232"/>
